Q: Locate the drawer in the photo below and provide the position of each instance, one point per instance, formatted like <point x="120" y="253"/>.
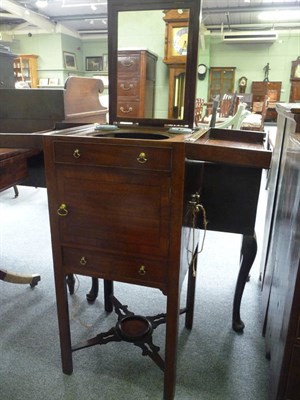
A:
<point x="128" y="87"/>
<point x="129" y="108"/>
<point x="137" y="157"/>
<point x="128" y="63"/>
<point x="12" y="171"/>
<point x="151" y="272"/>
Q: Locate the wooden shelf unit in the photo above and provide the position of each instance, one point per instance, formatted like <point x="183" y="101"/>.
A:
<point x="25" y="69"/>
<point x="221" y="81"/>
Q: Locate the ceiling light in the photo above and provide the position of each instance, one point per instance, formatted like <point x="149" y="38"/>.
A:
<point x="282" y="15"/>
<point x="90" y="4"/>
<point x="41" y="3"/>
<point x="93" y="7"/>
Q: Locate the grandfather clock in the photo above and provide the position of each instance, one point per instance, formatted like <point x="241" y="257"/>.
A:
<point x="176" y="44"/>
<point x="295" y="81"/>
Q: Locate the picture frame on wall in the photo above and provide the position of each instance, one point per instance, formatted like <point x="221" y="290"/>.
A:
<point x="69" y="60"/>
<point x="94" y="63"/>
<point x="53" y="81"/>
<point x="43" y="82"/>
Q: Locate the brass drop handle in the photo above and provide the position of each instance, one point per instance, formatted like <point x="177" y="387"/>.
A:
<point x="142" y="158"/>
<point x="76" y="153"/>
<point x="83" y="261"/>
<point x="126" y="87"/>
<point x="142" y="270"/>
<point x="128" y="62"/>
<point x="62" y="210"/>
<point x="125" y="111"/>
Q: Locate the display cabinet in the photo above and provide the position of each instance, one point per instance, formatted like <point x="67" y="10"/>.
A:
<point x="221" y="81"/>
<point x="26" y="69"/>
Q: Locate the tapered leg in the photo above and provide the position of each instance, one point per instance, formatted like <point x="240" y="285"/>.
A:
<point x="93" y="293"/>
<point x="108" y="293"/>
<point x="71" y="283"/>
<point x="63" y="323"/>
<point x="171" y="346"/>
<point x="248" y="253"/>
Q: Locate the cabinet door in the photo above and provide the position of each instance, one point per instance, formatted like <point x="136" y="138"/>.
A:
<point x="111" y="209"/>
<point x="221" y="81"/>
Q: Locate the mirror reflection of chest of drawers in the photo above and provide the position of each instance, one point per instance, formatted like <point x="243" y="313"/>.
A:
<point x="136" y="83"/>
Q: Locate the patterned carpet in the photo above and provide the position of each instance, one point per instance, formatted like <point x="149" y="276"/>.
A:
<point x="214" y="363"/>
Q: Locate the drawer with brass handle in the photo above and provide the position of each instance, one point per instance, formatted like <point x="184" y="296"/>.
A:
<point x="140" y="157"/>
<point x="152" y="272"/>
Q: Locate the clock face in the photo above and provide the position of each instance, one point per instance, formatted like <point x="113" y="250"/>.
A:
<point x="202" y="69"/>
<point x="180" y="41"/>
<point x="297" y="72"/>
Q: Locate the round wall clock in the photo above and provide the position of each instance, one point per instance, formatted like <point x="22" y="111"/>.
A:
<point x="202" y="70"/>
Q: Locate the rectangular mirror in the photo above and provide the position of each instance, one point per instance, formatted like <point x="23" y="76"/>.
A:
<point x="152" y="61"/>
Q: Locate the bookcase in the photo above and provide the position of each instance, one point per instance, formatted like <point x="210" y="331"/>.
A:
<point x="25" y="69"/>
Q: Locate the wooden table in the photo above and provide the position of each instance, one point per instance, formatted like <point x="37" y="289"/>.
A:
<point x="13" y="169"/>
<point x="149" y="193"/>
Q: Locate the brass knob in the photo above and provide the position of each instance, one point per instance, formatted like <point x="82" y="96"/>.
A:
<point x="76" y="153"/>
<point x="62" y="210"/>
<point x="128" y="62"/>
<point x="142" y="270"/>
<point x="125" y="111"/>
<point x="142" y="158"/>
<point x="83" y="261"/>
<point x="127" y="86"/>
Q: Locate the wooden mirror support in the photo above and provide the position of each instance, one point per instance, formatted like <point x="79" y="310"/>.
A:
<point x="185" y="53"/>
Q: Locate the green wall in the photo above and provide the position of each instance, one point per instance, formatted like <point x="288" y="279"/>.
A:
<point x="50" y="49"/>
<point x="249" y="59"/>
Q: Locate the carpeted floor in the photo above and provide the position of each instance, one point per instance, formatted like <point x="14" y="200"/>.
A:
<point x="214" y="363"/>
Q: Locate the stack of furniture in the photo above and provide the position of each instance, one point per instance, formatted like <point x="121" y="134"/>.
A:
<point x="281" y="259"/>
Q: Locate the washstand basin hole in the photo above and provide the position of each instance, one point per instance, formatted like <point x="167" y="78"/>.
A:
<point x="134" y="135"/>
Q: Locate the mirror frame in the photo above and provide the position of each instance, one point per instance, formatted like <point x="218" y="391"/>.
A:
<point x="116" y="6"/>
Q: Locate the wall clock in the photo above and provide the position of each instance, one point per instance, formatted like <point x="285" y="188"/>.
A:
<point x="202" y="70"/>
<point x="242" y="84"/>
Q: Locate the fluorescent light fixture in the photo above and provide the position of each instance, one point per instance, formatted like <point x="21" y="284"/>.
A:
<point x="41" y="3"/>
<point x="90" y="4"/>
<point x="279" y="15"/>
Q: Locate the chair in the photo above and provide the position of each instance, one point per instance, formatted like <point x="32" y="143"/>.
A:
<point x="198" y="111"/>
<point x="229" y="105"/>
<point x="233" y="122"/>
<point x="255" y="121"/>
